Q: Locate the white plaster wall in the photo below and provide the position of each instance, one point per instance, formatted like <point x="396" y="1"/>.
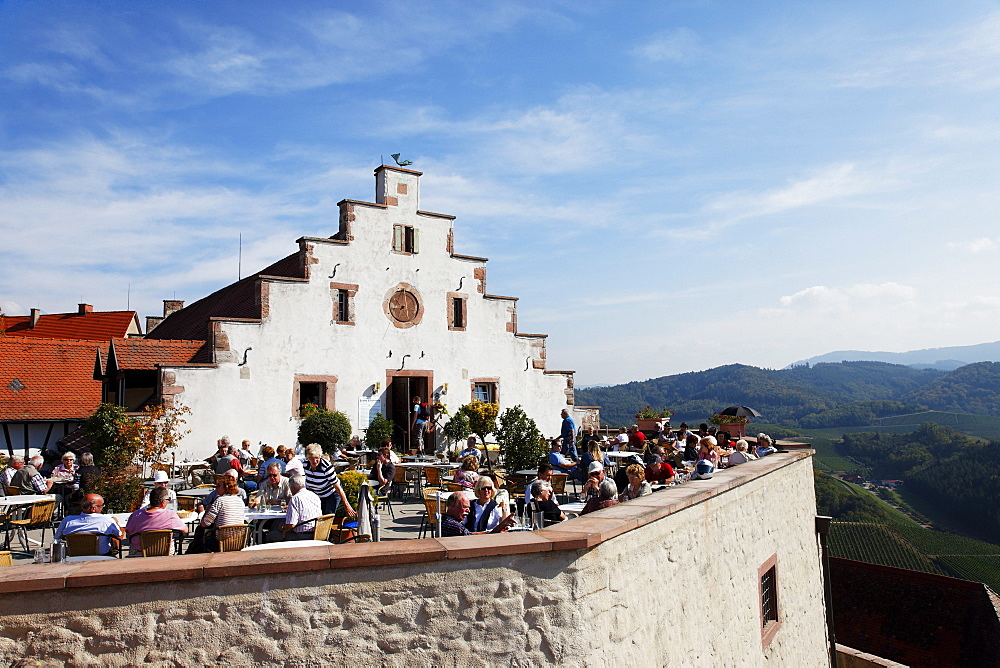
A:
<point x="300" y="336"/>
<point x="678" y="591"/>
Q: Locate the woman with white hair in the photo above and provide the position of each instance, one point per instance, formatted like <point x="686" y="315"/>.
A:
<point x="765" y="446"/>
<point x="740" y="455"/>
<point x="322" y="480"/>
<point x="607" y="496"/>
<point x="543" y="501"/>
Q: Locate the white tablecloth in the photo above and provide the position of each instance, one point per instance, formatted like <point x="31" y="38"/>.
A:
<point x="288" y="544"/>
<point x="23" y="499"/>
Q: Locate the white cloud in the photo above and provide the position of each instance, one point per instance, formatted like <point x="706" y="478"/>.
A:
<point x="675" y="45"/>
<point x="983" y="244"/>
<point x="864" y="298"/>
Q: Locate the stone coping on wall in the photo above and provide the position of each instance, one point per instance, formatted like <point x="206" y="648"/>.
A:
<point x="580" y="533"/>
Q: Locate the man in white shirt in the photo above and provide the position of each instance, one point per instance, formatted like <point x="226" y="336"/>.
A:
<point x="303" y="509"/>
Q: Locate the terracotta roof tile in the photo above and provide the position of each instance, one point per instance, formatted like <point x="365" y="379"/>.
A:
<point x="94" y="326"/>
<point x="47" y="379"/>
<point x="148" y="353"/>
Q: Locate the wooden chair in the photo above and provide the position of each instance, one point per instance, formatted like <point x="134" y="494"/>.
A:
<point x="400" y="482"/>
<point x="205" y="486"/>
<point x="5" y="559"/>
<point x="384" y="500"/>
<point x="187" y="502"/>
<point x="12" y="491"/>
<point x="559" y="484"/>
<point x="429" y="519"/>
<point x="432" y="476"/>
<point x="39" y="518"/>
<point x="156" y="543"/>
<point x="233" y="537"/>
<point x="81" y="544"/>
<point x="324" y="525"/>
<point x="450" y="486"/>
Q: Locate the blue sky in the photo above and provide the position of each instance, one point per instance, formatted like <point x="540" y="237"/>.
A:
<point x="668" y="186"/>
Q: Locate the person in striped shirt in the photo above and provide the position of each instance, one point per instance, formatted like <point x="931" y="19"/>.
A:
<point x="322" y="480"/>
<point x="300" y="520"/>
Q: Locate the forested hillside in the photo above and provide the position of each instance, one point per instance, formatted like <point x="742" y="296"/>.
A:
<point x="783" y="396"/>
<point x="847" y="394"/>
<point x="958" y="474"/>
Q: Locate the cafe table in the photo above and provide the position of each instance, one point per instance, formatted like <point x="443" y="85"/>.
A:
<point x="199" y="492"/>
<point x="89" y="557"/>
<point x="573" y="509"/>
<point x="258" y="519"/>
<point x="288" y="544"/>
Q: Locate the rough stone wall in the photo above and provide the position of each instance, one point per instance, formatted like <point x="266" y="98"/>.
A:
<point x="681" y="590"/>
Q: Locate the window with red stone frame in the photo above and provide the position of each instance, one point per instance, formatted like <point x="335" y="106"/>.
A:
<point x="770" y="617"/>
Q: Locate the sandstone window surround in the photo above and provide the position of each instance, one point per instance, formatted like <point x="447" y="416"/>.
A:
<point x="770" y="619"/>
<point x="458" y="313"/>
<point x="485" y="389"/>
<point x="342" y="295"/>
<point x="319" y="390"/>
<point x="405" y="239"/>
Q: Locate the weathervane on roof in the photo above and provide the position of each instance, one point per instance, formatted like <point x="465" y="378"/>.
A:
<point x="401" y="163"/>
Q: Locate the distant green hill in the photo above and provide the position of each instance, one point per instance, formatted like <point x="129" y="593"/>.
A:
<point x="841" y="395"/>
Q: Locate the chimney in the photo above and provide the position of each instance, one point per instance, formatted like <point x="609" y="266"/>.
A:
<point x="151" y="322"/>
<point x="35" y="315"/>
<point x="84" y="309"/>
<point x="172" y="306"/>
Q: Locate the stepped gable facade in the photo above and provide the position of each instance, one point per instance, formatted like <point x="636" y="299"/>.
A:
<point x="362" y="321"/>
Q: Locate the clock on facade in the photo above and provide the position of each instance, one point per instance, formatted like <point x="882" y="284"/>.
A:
<point x="404" y="306"/>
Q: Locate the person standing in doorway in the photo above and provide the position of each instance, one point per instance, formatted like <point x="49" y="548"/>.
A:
<point x="418" y="426"/>
<point x="568" y="434"/>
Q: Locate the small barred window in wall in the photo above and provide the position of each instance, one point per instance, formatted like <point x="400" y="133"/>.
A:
<point x="484" y="392"/>
<point x="457" y="312"/>
<point x="343" y="311"/>
<point x="769" y="596"/>
<point x="405" y="239"/>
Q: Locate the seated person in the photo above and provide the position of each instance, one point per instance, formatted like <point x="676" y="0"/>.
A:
<point x="595" y="476"/>
<point x="92" y="521"/>
<point x="267" y="457"/>
<point x="28" y="479"/>
<point x="636" y="439"/>
<point x="740" y="456"/>
<point x="293" y="465"/>
<point x="544" y="473"/>
<point x="484" y="513"/>
<point x="637" y="485"/>
<point x="592" y="454"/>
<point x="468" y="474"/>
<point x="607" y="497"/>
<point x="765" y="446"/>
<point x="707" y="451"/>
<point x="303" y="509"/>
<point x="559" y="460"/>
<point x="453" y="519"/>
<point x="274" y="490"/>
<point x="691" y="447"/>
<point x="723" y="444"/>
<point x="156" y="515"/>
<point x="543" y="500"/>
<point x="244" y="454"/>
<point x="248" y="485"/>
<point x="226" y="509"/>
<point x="66" y="471"/>
<point x="470" y="449"/>
<point x="210" y="498"/>
<point x="660" y="473"/>
<point x="382" y="472"/>
<point x="160" y="481"/>
<point x="619" y="442"/>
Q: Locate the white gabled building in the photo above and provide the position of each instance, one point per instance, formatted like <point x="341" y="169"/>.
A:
<point x="359" y="322"/>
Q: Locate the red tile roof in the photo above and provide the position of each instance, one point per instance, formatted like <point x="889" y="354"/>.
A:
<point x="46" y="379"/>
<point x="148" y="353"/>
<point x="237" y="300"/>
<point x="53" y="379"/>
<point x="94" y="326"/>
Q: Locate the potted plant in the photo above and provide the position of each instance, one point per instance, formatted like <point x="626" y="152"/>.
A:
<point x="736" y="425"/>
<point x="652" y="419"/>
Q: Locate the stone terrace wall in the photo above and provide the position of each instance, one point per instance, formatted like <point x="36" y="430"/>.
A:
<point x="671" y="578"/>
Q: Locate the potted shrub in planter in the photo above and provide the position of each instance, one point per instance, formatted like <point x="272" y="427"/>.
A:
<point x="651" y="419"/>
<point x="736" y="425"/>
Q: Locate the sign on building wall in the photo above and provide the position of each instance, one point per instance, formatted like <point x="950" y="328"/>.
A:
<point x="367" y="408"/>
